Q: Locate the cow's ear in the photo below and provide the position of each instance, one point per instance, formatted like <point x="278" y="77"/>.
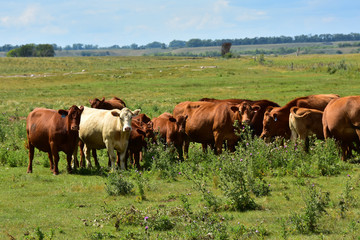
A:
<point x="136" y="112"/>
<point x="81" y="109"/>
<point x="115" y="113"/>
<point x="103" y="99"/>
<point x="269" y="108"/>
<point x="63" y="112"/>
<point x="234" y="109"/>
<point x="186" y="117"/>
<point x="171" y="119"/>
<point x="256" y="108"/>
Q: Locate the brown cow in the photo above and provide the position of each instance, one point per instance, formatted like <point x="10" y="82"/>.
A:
<point x="276" y="119"/>
<point x="52" y="131"/>
<point x="304" y="122"/>
<point x="171" y="129"/>
<point x="252" y="113"/>
<point x="114" y="103"/>
<point x="341" y="121"/>
<point x="142" y="129"/>
<point x="210" y="123"/>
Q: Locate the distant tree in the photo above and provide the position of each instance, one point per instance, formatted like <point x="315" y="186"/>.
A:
<point x="225" y="48"/>
<point x="177" y="44"/>
<point x="155" y="45"/>
<point x="134" y="46"/>
<point x="32" y="50"/>
<point x="195" y="42"/>
<point x="45" y="50"/>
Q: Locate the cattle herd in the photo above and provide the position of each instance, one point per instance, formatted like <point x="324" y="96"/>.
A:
<point x="212" y="122"/>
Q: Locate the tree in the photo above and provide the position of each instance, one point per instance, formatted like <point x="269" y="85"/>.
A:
<point x="225" y="48"/>
<point x="32" y="50"/>
<point x="45" y="50"/>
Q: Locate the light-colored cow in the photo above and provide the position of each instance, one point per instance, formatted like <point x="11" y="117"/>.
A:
<point x="304" y="122"/>
<point x="108" y="129"/>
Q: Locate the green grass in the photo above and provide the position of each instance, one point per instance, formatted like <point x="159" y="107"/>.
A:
<point x="77" y="206"/>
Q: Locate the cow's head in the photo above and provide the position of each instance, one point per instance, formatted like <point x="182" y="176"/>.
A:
<point x="125" y="116"/>
<point x="96" y="103"/>
<point x="275" y="123"/>
<point x="247" y="112"/>
<point x="73" y="117"/>
<point x="181" y="122"/>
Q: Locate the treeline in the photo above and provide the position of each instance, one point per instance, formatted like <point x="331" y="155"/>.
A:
<point x="32" y="50"/>
<point x="196" y="42"/>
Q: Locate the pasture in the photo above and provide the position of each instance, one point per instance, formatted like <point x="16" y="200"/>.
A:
<point x="261" y="191"/>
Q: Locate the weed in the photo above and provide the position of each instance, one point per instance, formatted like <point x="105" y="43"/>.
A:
<point x="118" y="184"/>
<point x="315" y="206"/>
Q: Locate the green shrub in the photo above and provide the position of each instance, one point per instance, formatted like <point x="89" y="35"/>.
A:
<point x="118" y="184"/>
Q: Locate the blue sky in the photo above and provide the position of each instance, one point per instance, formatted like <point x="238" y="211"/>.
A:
<point x="122" y="22"/>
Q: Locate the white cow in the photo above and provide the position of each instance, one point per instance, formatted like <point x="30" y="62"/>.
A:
<point x="108" y="129"/>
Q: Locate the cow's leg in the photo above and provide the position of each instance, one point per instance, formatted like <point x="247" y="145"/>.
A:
<point x="87" y="155"/>
<point x="180" y="152"/>
<point x="95" y="158"/>
<point x="69" y="158"/>
<point x="75" y="159"/>
<point x="31" y="157"/>
<point x="136" y="156"/>
<point x="55" y="155"/>
<point x="123" y="165"/>
<point x="111" y="153"/>
<point x="82" y="154"/>
<point x="218" y="142"/>
<point x="186" y="148"/>
<point x="51" y="161"/>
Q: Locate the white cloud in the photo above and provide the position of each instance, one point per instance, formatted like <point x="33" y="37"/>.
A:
<point x="31" y="15"/>
<point x="220" y="5"/>
<point x="245" y="15"/>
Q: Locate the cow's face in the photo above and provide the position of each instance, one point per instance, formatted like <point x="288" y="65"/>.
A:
<point x="181" y="123"/>
<point x="125" y="116"/>
<point x="247" y="112"/>
<point x="272" y="124"/>
<point x="73" y="115"/>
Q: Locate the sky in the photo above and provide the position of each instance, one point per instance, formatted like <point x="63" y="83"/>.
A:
<point x="122" y="22"/>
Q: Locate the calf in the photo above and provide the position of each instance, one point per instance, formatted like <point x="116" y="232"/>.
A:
<point x="304" y="122"/>
<point x="52" y="131"/>
<point x="108" y="129"/>
<point x="172" y="130"/>
<point x="141" y="131"/>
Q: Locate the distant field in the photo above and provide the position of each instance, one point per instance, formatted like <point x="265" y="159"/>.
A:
<point x="308" y="48"/>
<point x="297" y="195"/>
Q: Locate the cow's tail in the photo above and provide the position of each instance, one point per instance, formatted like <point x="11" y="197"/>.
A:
<point x="294" y="112"/>
<point x="26" y="144"/>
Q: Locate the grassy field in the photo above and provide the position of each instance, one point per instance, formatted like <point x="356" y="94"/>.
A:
<point x="287" y="194"/>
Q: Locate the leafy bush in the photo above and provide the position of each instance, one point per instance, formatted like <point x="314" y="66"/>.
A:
<point x="118" y="184"/>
